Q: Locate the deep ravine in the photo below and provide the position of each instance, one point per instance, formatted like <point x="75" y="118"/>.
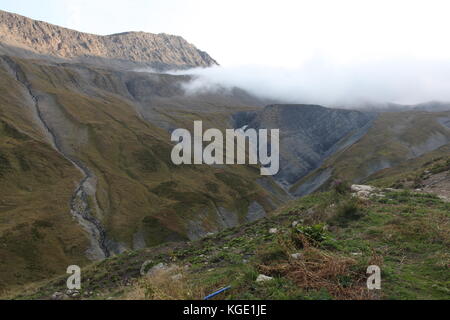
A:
<point x="79" y="203"/>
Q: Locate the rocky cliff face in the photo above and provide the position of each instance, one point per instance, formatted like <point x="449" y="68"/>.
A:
<point x="394" y="139"/>
<point x="156" y="50"/>
<point x="308" y="134"/>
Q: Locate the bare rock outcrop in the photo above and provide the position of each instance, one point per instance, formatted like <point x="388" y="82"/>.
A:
<point x="158" y="50"/>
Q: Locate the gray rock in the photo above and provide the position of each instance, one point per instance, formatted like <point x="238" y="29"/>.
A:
<point x="255" y="212"/>
<point x="296" y="256"/>
<point x="263" y="278"/>
<point x="358" y="188"/>
<point x="177" y="277"/>
<point x="73" y="293"/>
<point x="58" y="296"/>
<point x="157" y="268"/>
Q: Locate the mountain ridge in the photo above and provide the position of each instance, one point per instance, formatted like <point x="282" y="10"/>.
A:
<point x="161" y="51"/>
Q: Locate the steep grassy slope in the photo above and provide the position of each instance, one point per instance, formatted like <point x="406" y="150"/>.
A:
<point x="406" y="234"/>
<point x="136" y="193"/>
<point x="38" y="237"/>
<point x="429" y="173"/>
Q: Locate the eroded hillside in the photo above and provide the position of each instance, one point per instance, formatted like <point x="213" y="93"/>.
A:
<point x="117" y="188"/>
<point x="394" y="139"/>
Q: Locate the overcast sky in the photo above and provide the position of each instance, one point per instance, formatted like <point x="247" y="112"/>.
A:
<point x="329" y="52"/>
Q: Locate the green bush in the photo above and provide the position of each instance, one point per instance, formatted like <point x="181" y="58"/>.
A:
<point x="441" y="167"/>
<point x="346" y="212"/>
<point x="5" y="165"/>
<point x="316" y="233"/>
<point x="271" y="254"/>
<point x="341" y="186"/>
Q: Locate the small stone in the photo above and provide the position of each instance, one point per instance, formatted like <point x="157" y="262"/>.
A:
<point x="58" y="296"/>
<point x="73" y="293"/>
<point x="296" y="256"/>
<point x="357" y="188"/>
<point x="158" y="268"/>
<point x="363" y="194"/>
<point x="263" y="278"/>
<point x="177" y="277"/>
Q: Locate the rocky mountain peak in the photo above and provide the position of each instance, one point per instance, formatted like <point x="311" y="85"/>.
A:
<point x="157" y="50"/>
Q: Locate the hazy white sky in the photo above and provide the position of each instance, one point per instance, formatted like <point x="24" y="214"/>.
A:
<point x="276" y="33"/>
<point x="330" y="52"/>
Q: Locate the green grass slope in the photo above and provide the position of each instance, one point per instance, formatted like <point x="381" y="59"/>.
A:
<point x="336" y="238"/>
<point x="38" y="237"/>
<point x="141" y="198"/>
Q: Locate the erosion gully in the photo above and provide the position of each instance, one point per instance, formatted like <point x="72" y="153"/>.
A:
<point x="79" y="203"/>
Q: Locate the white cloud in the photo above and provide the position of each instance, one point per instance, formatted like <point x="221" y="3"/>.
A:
<point x="322" y="81"/>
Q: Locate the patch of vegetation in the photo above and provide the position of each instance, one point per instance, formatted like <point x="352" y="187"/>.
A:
<point x="346" y="212"/>
<point x="146" y="160"/>
<point x="23" y="162"/>
<point x="316" y="234"/>
<point x="234" y="181"/>
<point x="157" y="233"/>
<point x="165" y="189"/>
<point x="440" y="166"/>
<point x="341" y="186"/>
<point x="213" y="187"/>
<point x="5" y="164"/>
<point x="10" y="131"/>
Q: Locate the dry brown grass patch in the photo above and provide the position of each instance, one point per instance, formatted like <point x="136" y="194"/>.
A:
<point x="169" y="284"/>
<point x="319" y="269"/>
